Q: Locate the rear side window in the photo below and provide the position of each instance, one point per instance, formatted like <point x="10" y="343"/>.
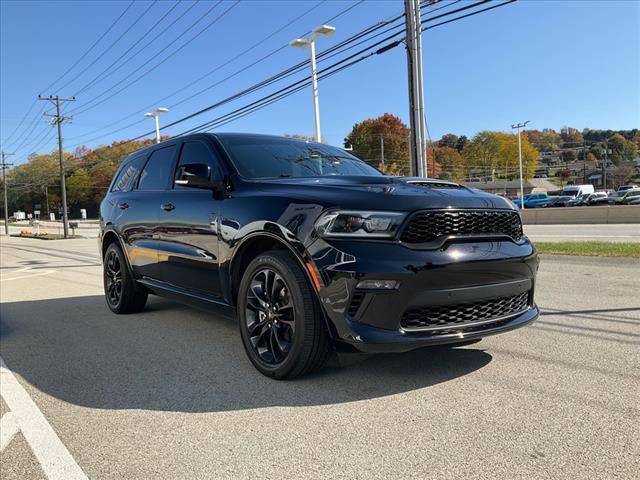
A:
<point x="155" y="175"/>
<point x="128" y="175"/>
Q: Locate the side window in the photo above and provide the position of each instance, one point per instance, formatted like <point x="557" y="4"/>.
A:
<point x="196" y="160"/>
<point x="128" y="175"/>
<point x="155" y="175"/>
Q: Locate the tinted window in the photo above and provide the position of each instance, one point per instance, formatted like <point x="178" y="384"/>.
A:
<point x="128" y="175"/>
<point x="196" y="159"/>
<point x="155" y="175"/>
<point x="264" y="157"/>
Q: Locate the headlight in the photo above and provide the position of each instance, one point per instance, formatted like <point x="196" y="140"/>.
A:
<point x="347" y="223"/>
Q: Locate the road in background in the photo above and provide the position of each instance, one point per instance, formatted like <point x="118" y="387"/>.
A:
<point x="169" y="393"/>
<point x="540" y="233"/>
<point x="584" y="233"/>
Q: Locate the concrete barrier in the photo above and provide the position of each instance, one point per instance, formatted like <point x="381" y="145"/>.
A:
<point x="581" y="215"/>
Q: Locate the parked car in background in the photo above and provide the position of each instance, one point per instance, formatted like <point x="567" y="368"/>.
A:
<point x="619" y="197"/>
<point x="627" y="187"/>
<point x="630" y="196"/>
<point x="574" y="191"/>
<point x="596" y="198"/>
<point x="557" y="201"/>
<point x="532" y="200"/>
<point x="634" y="201"/>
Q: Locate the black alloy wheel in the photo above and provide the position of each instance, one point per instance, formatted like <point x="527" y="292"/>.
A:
<point x="269" y="315"/>
<point x="121" y="291"/>
<point x="113" y="273"/>
<point x="282" y="327"/>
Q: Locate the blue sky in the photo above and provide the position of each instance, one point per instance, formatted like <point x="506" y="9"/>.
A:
<point x="555" y="63"/>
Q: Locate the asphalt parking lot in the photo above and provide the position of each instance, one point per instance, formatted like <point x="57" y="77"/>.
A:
<point x="169" y="393"/>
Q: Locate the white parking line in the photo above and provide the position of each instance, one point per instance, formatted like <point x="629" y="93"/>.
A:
<point x="40" y="274"/>
<point x="54" y="458"/>
<point x="8" y="428"/>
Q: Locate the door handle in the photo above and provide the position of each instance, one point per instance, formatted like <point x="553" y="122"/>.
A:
<point x="123" y="206"/>
<point x="167" y="207"/>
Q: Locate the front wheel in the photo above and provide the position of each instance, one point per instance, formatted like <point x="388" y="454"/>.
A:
<point x="281" y="326"/>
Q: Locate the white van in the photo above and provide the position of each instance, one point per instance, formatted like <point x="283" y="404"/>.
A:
<point x="576" y="191"/>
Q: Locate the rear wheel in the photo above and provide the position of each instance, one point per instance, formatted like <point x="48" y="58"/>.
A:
<point x="281" y="326"/>
<point x="121" y="291"/>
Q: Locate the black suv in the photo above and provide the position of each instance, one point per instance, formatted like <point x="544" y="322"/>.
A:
<point x="314" y="250"/>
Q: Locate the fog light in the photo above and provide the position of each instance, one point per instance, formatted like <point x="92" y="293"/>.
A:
<point x="377" y="284"/>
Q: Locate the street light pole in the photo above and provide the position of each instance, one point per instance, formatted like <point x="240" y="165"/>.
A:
<point x="518" y="126"/>
<point x="322" y="30"/>
<point x="156" y="116"/>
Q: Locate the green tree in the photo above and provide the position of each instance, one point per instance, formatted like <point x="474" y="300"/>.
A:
<point x="79" y="187"/>
<point x="549" y="141"/>
<point x="366" y="139"/>
<point x="481" y="153"/>
<point x="571" y="137"/>
<point x="619" y="148"/>
<point x="448" y="140"/>
<point x="462" y="141"/>
<point x="450" y="162"/>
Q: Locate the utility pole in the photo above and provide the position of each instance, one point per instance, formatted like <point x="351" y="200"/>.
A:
<point x="382" y="149"/>
<point x="519" y="126"/>
<point x="584" y="164"/>
<point x="4" y="184"/>
<point x="57" y="119"/>
<point x="46" y="199"/>
<point x="416" y="100"/>
<point x="604" y="167"/>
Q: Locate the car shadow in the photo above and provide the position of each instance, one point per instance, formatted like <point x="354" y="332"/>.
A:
<point x="173" y="358"/>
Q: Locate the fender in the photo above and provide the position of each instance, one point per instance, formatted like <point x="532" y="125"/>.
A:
<point x="111" y="230"/>
<point x="302" y="257"/>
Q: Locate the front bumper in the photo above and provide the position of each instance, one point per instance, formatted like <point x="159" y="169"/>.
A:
<point x="460" y="274"/>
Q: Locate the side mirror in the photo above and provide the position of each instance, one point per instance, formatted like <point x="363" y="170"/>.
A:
<point x="195" y="175"/>
<point x="198" y="175"/>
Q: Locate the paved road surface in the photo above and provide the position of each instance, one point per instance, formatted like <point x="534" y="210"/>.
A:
<point x="169" y="393"/>
<point x="539" y="233"/>
<point x="598" y="233"/>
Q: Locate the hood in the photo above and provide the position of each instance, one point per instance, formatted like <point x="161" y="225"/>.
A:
<point x="382" y="193"/>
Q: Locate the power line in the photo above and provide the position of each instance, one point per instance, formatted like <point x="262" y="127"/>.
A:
<point x="113" y="24"/>
<point x="107" y="72"/>
<point x="161" y="100"/>
<point x="144" y="74"/>
<point x="21" y="122"/>
<point x="300" y="65"/>
<point x="99" y="57"/>
<point x="269" y="99"/>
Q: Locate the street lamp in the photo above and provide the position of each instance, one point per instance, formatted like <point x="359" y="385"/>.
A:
<point x="322" y="30"/>
<point x="519" y="126"/>
<point x="156" y="113"/>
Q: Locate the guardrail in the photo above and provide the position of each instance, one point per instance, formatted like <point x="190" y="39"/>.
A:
<point x="581" y="215"/>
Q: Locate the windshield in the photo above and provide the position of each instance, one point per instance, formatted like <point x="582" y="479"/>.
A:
<point x="272" y="157"/>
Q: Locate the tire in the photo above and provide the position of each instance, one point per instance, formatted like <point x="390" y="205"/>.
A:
<point x="122" y="293"/>
<point x="281" y="325"/>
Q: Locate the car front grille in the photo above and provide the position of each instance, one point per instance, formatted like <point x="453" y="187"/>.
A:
<point x="448" y="318"/>
<point x="431" y="226"/>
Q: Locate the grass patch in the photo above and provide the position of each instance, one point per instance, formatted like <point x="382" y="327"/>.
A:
<point x="591" y="249"/>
